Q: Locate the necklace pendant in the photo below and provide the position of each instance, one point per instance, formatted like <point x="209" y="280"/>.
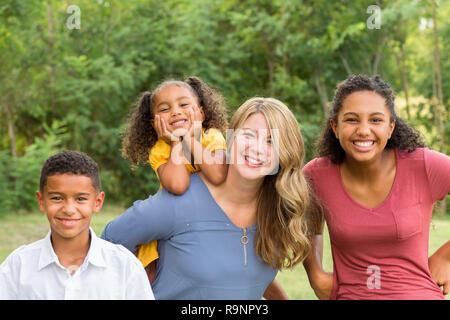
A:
<point x="244" y="241"/>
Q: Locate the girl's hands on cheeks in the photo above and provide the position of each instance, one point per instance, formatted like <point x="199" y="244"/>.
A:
<point x="196" y="119"/>
<point x="163" y="133"/>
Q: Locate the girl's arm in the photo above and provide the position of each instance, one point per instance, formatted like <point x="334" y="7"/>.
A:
<point x="274" y="291"/>
<point x="439" y="264"/>
<point x="212" y="163"/>
<point x="321" y="281"/>
<point x="173" y="174"/>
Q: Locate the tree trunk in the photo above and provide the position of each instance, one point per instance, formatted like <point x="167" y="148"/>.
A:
<point x="440" y="105"/>
<point x="270" y="52"/>
<point x="51" y="41"/>
<point x="401" y="64"/>
<point x="322" y="92"/>
<point x="11" y="131"/>
<point x="378" y="55"/>
<point x="405" y="79"/>
<point x="345" y="63"/>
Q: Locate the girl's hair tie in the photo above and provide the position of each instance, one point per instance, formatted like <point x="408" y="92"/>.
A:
<point x="146" y="102"/>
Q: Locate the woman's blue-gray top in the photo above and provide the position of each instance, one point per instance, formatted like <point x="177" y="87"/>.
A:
<point x="201" y="255"/>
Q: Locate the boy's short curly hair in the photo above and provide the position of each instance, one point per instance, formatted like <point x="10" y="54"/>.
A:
<point x="72" y="162"/>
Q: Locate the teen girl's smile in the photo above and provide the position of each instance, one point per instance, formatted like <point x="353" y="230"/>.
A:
<point x="363" y="144"/>
<point x="363" y="125"/>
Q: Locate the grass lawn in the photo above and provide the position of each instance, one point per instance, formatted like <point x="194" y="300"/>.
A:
<point x="16" y="230"/>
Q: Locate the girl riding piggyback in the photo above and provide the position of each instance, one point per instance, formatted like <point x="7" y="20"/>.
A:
<point x="178" y="128"/>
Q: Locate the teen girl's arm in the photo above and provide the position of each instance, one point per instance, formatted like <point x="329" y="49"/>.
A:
<point x="173" y="174"/>
<point x="438" y="173"/>
<point x="320" y="281"/>
<point x="274" y="291"/>
<point x="439" y="264"/>
<point x="212" y="163"/>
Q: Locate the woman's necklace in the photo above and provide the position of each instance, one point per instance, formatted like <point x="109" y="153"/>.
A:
<point x="244" y="241"/>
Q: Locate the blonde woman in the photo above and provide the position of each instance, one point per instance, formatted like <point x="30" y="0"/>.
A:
<point x="227" y="241"/>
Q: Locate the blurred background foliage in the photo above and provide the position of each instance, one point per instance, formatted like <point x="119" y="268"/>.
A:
<point x="63" y="88"/>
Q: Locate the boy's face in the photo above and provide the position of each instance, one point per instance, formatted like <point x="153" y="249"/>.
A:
<point x="69" y="201"/>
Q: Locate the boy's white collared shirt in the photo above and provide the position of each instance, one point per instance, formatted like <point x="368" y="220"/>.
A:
<point x="109" y="271"/>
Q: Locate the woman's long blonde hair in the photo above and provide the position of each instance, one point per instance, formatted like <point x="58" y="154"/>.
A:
<point x="282" y="240"/>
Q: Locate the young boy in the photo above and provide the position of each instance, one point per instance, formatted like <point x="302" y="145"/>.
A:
<point x="71" y="262"/>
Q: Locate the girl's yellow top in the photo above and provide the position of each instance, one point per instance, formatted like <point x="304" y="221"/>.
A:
<point x="212" y="140"/>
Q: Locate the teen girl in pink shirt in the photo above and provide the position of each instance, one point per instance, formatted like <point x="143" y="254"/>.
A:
<point x="377" y="184"/>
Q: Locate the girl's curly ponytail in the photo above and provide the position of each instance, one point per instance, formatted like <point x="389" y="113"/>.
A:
<point x="139" y="135"/>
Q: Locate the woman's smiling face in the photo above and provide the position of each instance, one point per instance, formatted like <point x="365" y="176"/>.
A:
<point x="253" y="152"/>
<point x="363" y="126"/>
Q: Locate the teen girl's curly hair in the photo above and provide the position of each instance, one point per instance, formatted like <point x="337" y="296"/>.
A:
<point x="140" y="136"/>
<point x="404" y="137"/>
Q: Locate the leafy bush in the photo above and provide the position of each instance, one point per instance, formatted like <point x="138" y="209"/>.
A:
<point x="19" y="177"/>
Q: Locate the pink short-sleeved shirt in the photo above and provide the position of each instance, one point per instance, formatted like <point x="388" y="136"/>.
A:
<point x="382" y="252"/>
